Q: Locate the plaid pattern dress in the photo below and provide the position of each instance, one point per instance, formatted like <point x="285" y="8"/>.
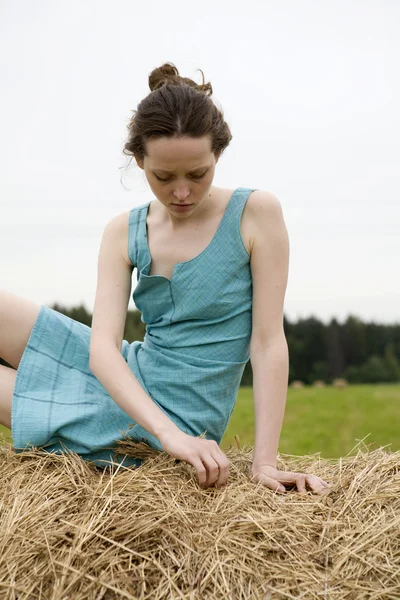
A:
<point x="191" y="361"/>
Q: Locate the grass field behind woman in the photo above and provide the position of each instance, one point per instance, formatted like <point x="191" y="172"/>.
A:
<point x="327" y="421"/>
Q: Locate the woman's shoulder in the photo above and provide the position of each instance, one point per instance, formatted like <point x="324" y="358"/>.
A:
<point x="119" y="227"/>
<point x="260" y="208"/>
<point x="260" y="205"/>
<point x="262" y="200"/>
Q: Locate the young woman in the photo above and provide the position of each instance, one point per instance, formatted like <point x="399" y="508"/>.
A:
<point x="212" y="267"/>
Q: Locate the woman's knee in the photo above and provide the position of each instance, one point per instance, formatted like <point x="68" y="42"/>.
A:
<point x="7" y="385"/>
<point x="17" y="318"/>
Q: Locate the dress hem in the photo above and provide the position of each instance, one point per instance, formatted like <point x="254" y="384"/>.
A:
<point x="33" y="337"/>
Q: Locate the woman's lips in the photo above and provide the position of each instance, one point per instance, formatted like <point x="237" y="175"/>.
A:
<point x="182" y="206"/>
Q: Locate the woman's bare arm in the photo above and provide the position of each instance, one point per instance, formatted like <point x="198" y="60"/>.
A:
<point x="114" y="281"/>
<point x="108" y="365"/>
<point x="110" y="368"/>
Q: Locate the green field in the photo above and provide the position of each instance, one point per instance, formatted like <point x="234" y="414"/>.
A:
<point x="326" y="421"/>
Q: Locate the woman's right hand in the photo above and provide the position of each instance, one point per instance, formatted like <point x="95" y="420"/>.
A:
<point x="205" y="456"/>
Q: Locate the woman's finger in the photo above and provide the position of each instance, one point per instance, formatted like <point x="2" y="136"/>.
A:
<point x="223" y="465"/>
<point x="317" y="484"/>
<point x="311" y="481"/>
<point x="301" y="483"/>
<point x="212" y="469"/>
<point x="200" y="469"/>
<point x="269" y="482"/>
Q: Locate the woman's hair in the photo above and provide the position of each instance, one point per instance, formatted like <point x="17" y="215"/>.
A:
<point x="176" y="107"/>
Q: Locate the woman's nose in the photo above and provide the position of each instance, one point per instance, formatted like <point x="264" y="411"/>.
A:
<point x="181" y="192"/>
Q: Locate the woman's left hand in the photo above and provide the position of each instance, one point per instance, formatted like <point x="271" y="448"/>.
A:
<point x="276" y="480"/>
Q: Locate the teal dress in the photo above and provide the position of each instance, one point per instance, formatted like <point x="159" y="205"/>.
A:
<point x="190" y="362"/>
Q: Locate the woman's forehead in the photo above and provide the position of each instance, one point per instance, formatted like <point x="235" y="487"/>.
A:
<point x="173" y="148"/>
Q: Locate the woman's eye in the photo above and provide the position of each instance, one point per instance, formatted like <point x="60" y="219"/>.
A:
<point x="194" y="177"/>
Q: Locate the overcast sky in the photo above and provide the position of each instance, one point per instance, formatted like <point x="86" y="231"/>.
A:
<point x="311" y="92"/>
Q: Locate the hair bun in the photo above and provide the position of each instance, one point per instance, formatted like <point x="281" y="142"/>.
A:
<point x="169" y="74"/>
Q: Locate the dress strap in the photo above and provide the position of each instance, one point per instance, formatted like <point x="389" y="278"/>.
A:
<point x="136" y="242"/>
<point x="230" y="234"/>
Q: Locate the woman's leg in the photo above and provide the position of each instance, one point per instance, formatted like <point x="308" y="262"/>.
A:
<point x="17" y="317"/>
<point x="7" y="384"/>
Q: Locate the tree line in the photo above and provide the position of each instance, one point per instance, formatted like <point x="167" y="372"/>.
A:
<point x="356" y="351"/>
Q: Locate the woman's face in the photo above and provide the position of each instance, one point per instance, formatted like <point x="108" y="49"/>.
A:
<point x="180" y="171"/>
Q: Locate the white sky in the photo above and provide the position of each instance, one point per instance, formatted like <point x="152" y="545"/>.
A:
<point x="310" y="89"/>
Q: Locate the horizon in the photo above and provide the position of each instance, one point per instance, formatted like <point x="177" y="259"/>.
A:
<point x="311" y="94"/>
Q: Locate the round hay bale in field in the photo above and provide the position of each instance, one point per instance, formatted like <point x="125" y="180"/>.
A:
<point x="340" y="383"/>
<point x="319" y="384"/>
<point x="71" y="530"/>
<point x="297" y="385"/>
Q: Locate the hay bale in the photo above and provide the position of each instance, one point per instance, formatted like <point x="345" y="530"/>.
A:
<point x="297" y="385"/>
<point x="340" y="383"/>
<point x="319" y="383"/>
<point x="72" y="531"/>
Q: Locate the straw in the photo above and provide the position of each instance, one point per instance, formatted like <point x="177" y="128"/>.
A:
<point x="72" y="531"/>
